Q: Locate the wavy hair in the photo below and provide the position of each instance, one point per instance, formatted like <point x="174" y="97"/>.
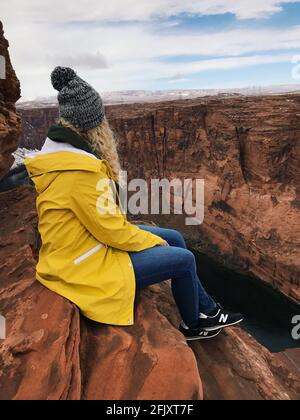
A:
<point x="103" y="143"/>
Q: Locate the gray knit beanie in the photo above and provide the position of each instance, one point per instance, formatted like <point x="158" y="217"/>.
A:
<point x="79" y="103"/>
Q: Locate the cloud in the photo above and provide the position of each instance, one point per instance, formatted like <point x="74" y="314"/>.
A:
<point x="80" y="61"/>
<point x="136" y="54"/>
<point x="163" y="71"/>
<point x="126" y="10"/>
<point x="176" y="78"/>
<point x="234" y="62"/>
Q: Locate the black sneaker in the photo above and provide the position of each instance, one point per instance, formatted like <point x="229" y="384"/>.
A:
<point x="219" y="319"/>
<point x="192" y="334"/>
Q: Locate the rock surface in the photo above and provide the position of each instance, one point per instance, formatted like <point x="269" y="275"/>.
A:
<point x="248" y="153"/>
<point x="50" y="353"/>
<point x="246" y="149"/>
<point x="53" y="353"/>
<point x="9" y="120"/>
<point x="35" y="124"/>
<point x="234" y="366"/>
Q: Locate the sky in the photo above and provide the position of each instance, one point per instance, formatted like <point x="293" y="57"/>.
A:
<point x="154" y="44"/>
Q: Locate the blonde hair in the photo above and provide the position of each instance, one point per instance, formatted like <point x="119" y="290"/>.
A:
<point x="103" y="143"/>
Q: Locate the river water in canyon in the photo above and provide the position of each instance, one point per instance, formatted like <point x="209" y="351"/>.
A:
<point x="268" y="314"/>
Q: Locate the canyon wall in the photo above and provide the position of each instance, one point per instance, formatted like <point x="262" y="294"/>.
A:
<point x="35" y="124"/>
<point x="247" y="150"/>
<point x="52" y="353"/>
<point x="9" y="120"/>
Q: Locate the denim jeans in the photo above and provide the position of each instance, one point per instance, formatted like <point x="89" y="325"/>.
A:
<point x="177" y="263"/>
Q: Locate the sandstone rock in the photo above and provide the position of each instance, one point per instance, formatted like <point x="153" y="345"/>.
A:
<point x="35" y="125"/>
<point x="149" y="360"/>
<point x="53" y="353"/>
<point x="234" y="366"/>
<point x="50" y="354"/>
<point x="9" y="120"/>
<point x="247" y="151"/>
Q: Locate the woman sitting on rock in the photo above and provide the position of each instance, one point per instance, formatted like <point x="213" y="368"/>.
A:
<point x="94" y="257"/>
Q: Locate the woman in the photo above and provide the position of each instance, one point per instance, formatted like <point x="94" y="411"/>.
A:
<point x="94" y="257"/>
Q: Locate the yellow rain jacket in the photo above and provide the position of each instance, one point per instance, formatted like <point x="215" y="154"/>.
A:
<point x="84" y="254"/>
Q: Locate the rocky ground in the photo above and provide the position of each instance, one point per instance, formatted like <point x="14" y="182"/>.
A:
<point x="51" y="352"/>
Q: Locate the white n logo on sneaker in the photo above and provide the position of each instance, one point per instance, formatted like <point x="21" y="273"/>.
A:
<point x="223" y="318"/>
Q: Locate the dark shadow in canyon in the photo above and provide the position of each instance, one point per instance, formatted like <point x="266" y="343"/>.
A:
<point x="268" y="314"/>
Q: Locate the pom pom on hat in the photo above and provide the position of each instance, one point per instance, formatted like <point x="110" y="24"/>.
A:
<point x="61" y="76"/>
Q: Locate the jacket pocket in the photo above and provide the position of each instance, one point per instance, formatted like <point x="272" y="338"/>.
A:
<point x="88" y="254"/>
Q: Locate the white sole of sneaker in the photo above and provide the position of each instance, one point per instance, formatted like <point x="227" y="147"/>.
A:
<point x="223" y="326"/>
<point x="202" y="337"/>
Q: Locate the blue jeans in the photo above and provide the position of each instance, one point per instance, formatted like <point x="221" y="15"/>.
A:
<point x="177" y="263"/>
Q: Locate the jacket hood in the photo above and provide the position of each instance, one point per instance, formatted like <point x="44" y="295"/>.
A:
<point x="55" y="157"/>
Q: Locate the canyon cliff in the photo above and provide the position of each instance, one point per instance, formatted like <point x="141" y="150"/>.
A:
<point x="247" y="152"/>
<point x="9" y="120"/>
<point x="51" y="352"/>
<point x="151" y="360"/>
<point x="246" y="149"/>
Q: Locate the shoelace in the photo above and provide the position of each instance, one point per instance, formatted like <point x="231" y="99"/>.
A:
<point x="203" y="316"/>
